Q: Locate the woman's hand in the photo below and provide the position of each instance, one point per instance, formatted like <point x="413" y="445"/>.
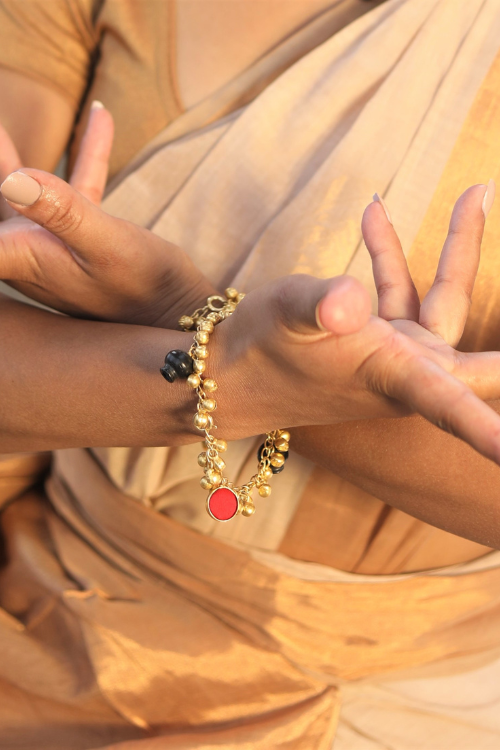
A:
<point x="67" y="253"/>
<point x="292" y="373"/>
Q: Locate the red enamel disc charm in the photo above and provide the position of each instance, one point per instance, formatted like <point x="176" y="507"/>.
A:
<point x="222" y="504"/>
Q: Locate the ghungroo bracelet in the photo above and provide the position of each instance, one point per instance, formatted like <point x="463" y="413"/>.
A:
<point x="225" y="500"/>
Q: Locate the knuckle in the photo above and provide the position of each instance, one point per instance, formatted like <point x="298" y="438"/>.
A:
<point x="379" y="368"/>
<point x="446" y="419"/>
<point x="64" y="218"/>
<point x="286" y="292"/>
<point x="461" y="286"/>
<point x="386" y="287"/>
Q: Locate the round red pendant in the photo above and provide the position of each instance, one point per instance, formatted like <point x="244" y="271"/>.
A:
<point x="222" y="504"/>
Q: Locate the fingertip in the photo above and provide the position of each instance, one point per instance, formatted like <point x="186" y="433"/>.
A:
<point x="378" y="199"/>
<point x="489" y="197"/>
<point x="100" y="126"/>
<point x="345" y="308"/>
<point x="21" y="189"/>
<point x="476" y="197"/>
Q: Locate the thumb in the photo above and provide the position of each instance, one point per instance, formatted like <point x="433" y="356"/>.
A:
<point x="309" y="305"/>
<point x="63" y="211"/>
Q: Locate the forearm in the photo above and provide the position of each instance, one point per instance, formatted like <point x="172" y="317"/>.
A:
<point x="67" y="383"/>
<point x="412" y="465"/>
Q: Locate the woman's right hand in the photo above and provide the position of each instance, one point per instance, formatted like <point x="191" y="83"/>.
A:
<point x="60" y="248"/>
<point x="276" y="367"/>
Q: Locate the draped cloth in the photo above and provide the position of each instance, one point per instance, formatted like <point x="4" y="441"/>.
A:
<point x="129" y="629"/>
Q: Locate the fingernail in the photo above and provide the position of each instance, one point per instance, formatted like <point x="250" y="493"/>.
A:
<point x="336" y="315"/>
<point x="382" y="202"/>
<point x="96" y="104"/>
<point x="21" y="189"/>
<point x="489" y="197"/>
<point x="318" y="319"/>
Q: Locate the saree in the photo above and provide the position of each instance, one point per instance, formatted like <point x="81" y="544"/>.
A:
<point x="126" y="628"/>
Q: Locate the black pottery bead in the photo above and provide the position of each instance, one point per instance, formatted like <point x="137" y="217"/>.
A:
<point x="169" y="373"/>
<point x="181" y="362"/>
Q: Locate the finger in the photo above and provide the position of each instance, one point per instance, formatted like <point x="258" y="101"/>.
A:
<point x="94" y="235"/>
<point x="397" y="296"/>
<point x="446" y="306"/>
<point x="446" y="402"/>
<point x="9" y="162"/>
<point x="9" y="157"/>
<point x="308" y="305"/>
<point x="90" y="172"/>
<point x="480" y="371"/>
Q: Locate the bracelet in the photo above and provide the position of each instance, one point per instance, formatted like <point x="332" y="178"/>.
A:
<point x="225" y="500"/>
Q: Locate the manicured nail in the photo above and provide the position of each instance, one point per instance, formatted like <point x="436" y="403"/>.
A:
<point x="21" y="189"/>
<point x="489" y="197"/>
<point x="96" y="104"/>
<point x="382" y="202"/>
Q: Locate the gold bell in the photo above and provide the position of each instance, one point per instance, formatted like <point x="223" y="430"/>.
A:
<point x="202" y="337"/>
<point x="282" y="445"/>
<point x="193" y="380"/>
<point x="201" y="420"/>
<point x="206" y="325"/>
<point x="264" y="490"/>
<point x="248" y="509"/>
<point x="231" y="293"/>
<point x="219" y="463"/>
<point x="209" y="404"/>
<point x="277" y="460"/>
<point x="201" y="352"/>
<point x="199" y="366"/>
<point x="214" y="477"/>
<point x="209" y="385"/>
<point x="186" y="321"/>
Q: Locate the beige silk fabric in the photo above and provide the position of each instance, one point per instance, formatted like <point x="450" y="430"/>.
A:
<point x="279" y="187"/>
<point x="128" y="629"/>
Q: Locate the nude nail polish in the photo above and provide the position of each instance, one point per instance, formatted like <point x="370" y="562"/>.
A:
<point x="96" y="104"/>
<point x="489" y="197"/>
<point x="21" y="189"/>
<point x="382" y="202"/>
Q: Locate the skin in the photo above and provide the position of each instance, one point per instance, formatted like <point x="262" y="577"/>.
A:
<point x="302" y="332"/>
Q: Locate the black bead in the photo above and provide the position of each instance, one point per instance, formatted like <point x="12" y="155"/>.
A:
<point x="181" y="362"/>
<point x="274" y="469"/>
<point x="169" y="373"/>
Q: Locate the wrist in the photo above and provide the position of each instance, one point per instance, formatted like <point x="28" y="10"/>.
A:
<point x="182" y="301"/>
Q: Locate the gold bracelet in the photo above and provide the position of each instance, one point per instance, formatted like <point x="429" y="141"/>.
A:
<point x="225" y="500"/>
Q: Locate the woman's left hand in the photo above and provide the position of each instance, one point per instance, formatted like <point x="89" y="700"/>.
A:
<point x="66" y="252"/>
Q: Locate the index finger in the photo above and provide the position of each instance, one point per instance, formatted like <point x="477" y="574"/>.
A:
<point x="448" y="403"/>
<point x="90" y="172"/>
